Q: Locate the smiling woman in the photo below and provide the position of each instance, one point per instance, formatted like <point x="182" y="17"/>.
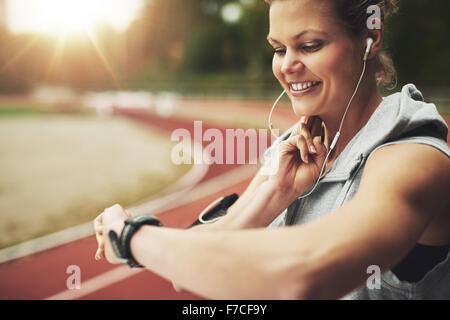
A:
<point x="71" y="16"/>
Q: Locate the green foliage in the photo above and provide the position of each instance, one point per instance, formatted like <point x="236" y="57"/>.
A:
<point x="417" y="38"/>
<point x="213" y="48"/>
<point x="187" y="41"/>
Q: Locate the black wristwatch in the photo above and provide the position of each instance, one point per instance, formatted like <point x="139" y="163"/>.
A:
<point x="121" y="246"/>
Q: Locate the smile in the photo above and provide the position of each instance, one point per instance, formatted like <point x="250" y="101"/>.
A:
<point x="300" y="88"/>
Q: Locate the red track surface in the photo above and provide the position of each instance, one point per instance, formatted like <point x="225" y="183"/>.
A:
<point x="43" y="274"/>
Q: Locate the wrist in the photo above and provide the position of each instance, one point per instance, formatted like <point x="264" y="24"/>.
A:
<point x="266" y="204"/>
<point x="117" y="226"/>
<point x="122" y="245"/>
<point x="284" y="195"/>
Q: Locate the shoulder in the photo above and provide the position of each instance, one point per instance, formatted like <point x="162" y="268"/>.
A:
<point x="413" y="173"/>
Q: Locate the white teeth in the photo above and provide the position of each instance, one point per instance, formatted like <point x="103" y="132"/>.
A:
<point x="302" y="86"/>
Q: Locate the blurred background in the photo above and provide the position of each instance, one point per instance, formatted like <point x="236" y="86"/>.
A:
<point x="67" y="67"/>
<point x="192" y="47"/>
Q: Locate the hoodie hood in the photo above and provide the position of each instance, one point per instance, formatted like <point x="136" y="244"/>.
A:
<point x="400" y="116"/>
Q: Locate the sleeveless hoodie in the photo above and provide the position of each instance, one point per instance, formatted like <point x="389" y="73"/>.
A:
<point x="401" y="118"/>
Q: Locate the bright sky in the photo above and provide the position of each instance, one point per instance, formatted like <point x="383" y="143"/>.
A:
<point x="66" y="16"/>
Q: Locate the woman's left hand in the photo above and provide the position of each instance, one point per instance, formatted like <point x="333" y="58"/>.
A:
<point x="112" y="218"/>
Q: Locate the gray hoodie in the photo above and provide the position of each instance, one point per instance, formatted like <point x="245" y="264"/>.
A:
<point x="402" y="117"/>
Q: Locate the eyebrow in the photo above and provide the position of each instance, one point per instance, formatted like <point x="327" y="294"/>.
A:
<point x="298" y="36"/>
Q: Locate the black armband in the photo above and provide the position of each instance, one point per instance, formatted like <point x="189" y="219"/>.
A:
<point x="217" y="211"/>
<point x="121" y="245"/>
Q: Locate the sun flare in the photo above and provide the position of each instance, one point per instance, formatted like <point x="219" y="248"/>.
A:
<point x="69" y="16"/>
<point x="56" y="17"/>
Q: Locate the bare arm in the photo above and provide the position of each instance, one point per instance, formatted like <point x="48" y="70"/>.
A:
<point x="323" y="259"/>
<point x="249" y="211"/>
<point x="233" y="212"/>
<point x="237" y="207"/>
<point x="258" y="207"/>
<point x="403" y="189"/>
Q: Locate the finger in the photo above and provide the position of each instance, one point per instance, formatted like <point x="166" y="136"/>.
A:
<point x="304" y="128"/>
<point x="98" y="222"/>
<point x="321" y="151"/>
<point x="98" y="228"/>
<point x="101" y="248"/>
<point x="296" y="144"/>
<point x="308" y="138"/>
<point x="304" y="119"/>
<point x="100" y="254"/>
<point x="289" y="145"/>
<point x="100" y="241"/>
<point x="303" y="147"/>
<point x="99" y="218"/>
<point x="297" y="129"/>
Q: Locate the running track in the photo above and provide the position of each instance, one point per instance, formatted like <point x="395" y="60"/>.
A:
<point x="43" y="275"/>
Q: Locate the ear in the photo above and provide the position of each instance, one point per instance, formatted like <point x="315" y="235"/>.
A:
<point x="377" y="34"/>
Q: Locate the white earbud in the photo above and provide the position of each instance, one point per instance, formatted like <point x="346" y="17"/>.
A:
<point x="336" y="137"/>
<point x="368" y="47"/>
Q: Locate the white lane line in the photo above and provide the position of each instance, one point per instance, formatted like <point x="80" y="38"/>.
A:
<point x="108" y="278"/>
<point x="154" y="206"/>
<point x="96" y="283"/>
<point x="200" y="191"/>
<point x="158" y="203"/>
<point x="46" y="242"/>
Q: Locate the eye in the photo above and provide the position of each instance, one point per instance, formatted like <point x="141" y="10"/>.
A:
<point x="312" y="47"/>
<point x="279" y="51"/>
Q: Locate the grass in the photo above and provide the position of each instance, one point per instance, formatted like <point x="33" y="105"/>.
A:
<point x="16" y="227"/>
<point x="58" y="171"/>
<point x="12" y="112"/>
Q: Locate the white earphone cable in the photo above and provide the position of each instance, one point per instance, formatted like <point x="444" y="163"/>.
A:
<point x="271" y="111"/>
<point x="333" y="144"/>
<point x="336" y="137"/>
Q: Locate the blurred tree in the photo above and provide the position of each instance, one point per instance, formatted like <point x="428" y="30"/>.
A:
<point x="156" y="39"/>
<point x="14" y="77"/>
<point x="255" y="27"/>
<point x="189" y="39"/>
<point x="213" y="48"/>
<point x="417" y="37"/>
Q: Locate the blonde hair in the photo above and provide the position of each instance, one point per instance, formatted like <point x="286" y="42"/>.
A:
<point x="353" y="15"/>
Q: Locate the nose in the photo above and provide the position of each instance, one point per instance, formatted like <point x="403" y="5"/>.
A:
<point x="291" y="63"/>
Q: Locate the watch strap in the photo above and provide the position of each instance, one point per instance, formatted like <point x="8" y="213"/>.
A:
<point x="121" y="245"/>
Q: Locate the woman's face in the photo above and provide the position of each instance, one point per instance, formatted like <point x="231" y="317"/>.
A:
<point x="315" y="60"/>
